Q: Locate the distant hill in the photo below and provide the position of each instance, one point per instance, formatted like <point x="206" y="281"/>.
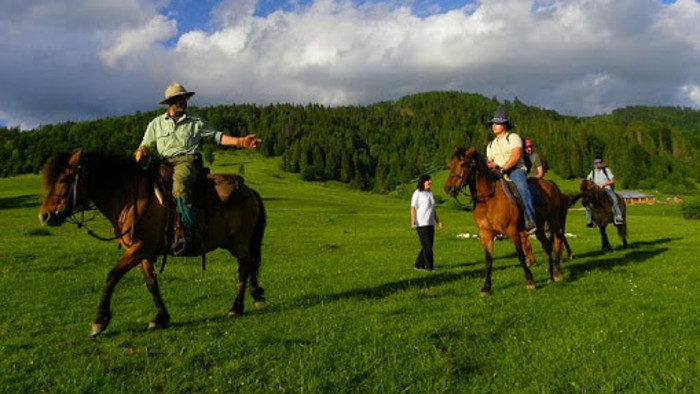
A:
<point x="380" y="146"/>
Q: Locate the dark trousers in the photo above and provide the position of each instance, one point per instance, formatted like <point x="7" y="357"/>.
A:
<point x="426" y="234"/>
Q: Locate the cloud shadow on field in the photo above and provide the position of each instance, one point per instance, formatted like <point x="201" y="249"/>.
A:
<point x="576" y="271"/>
<point x="24" y="201"/>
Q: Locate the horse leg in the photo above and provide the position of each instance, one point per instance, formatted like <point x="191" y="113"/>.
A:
<point x="104" y="314"/>
<point x="559" y="239"/>
<point x="546" y="243"/>
<point x="257" y="292"/>
<point x="245" y="265"/>
<point x="516" y="237"/>
<point x="604" y="238"/>
<point x="487" y="242"/>
<point x="162" y="317"/>
<point x="622" y="232"/>
<point x="565" y="242"/>
<point x="527" y="247"/>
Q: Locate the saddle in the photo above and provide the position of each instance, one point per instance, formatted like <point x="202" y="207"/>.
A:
<point x="511" y="191"/>
<point x="209" y="191"/>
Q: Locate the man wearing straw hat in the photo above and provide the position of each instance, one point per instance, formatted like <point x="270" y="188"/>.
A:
<point x="177" y="136"/>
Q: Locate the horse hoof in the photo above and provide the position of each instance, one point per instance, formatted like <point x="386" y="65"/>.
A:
<point x="97" y="329"/>
<point x="233" y="313"/>
<point x="558" y="278"/>
<point x="153" y="325"/>
<point x="485" y="293"/>
<point x="259" y="304"/>
<point x="531" y="286"/>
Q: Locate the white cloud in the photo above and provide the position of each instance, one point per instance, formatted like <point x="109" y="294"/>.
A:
<point x="692" y="92"/>
<point x="576" y="56"/>
<point x="133" y="43"/>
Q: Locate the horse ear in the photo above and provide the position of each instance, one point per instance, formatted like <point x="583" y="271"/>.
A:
<point x="75" y="158"/>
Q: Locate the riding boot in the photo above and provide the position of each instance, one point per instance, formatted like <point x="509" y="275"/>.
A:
<point x="185" y="240"/>
<point x="589" y="218"/>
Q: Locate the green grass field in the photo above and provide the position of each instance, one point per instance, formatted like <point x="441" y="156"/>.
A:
<point x="347" y="313"/>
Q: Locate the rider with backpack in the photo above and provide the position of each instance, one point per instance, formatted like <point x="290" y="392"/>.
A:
<point x="604" y="178"/>
<point x="506" y="154"/>
<point x="536" y="167"/>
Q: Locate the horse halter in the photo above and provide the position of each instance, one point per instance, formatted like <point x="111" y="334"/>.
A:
<point x="71" y="195"/>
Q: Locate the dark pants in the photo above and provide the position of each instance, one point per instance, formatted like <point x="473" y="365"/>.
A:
<point x="426" y="234"/>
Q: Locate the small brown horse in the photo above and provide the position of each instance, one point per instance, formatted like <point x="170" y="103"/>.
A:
<point x="494" y="213"/>
<point x="125" y="194"/>
<point x="602" y="211"/>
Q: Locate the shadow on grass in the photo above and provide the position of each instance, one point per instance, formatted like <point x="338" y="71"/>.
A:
<point x="24" y="201"/>
<point x="387" y="289"/>
<point x="632" y="245"/>
<point x="576" y="271"/>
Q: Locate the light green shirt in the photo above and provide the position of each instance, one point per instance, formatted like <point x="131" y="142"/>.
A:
<point x="175" y="138"/>
<point x="500" y="149"/>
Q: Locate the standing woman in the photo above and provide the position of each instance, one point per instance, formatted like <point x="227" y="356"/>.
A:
<point x="423" y="219"/>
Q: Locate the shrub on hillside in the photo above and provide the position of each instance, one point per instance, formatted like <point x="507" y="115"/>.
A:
<point x="691" y="209"/>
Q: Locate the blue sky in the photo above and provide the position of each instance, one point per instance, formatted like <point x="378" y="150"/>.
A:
<point x="101" y="58"/>
<point x="195" y="14"/>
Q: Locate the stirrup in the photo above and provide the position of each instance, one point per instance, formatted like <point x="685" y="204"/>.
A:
<point x="178" y="246"/>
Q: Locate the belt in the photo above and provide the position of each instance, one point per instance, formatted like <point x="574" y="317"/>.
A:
<point x="195" y="155"/>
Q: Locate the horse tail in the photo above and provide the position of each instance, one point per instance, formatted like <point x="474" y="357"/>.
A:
<point x="258" y="231"/>
<point x="570" y="200"/>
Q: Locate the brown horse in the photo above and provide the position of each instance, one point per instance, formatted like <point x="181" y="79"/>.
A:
<point x="494" y="213"/>
<point x="125" y="194"/>
<point x="602" y="211"/>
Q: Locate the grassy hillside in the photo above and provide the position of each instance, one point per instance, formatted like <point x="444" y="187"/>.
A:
<point x="346" y="310"/>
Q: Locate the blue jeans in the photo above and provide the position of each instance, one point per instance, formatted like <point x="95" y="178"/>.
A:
<point x="616" y="206"/>
<point x="519" y="177"/>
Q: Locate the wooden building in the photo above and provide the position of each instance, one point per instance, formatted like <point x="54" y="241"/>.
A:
<point x="633" y="197"/>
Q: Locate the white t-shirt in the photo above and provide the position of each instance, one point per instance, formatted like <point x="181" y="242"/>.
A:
<point x="424" y="202"/>
<point x="598" y="177"/>
<point x="500" y="149"/>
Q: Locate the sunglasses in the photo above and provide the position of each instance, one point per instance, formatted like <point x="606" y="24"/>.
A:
<point x="597" y="162"/>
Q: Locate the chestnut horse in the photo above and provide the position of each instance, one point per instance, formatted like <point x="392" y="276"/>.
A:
<point x="494" y="213"/>
<point x="602" y="211"/>
<point x="124" y="193"/>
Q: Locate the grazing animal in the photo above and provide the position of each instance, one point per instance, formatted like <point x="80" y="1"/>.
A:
<point x="125" y="194"/>
<point x="494" y="213"/>
<point x="602" y="211"/>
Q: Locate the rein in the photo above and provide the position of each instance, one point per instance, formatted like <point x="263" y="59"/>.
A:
<point x="474" y="195"/>
<point x="460" y="189"/>
<point x="72" y="194"/>
<point x="134" y="223"/>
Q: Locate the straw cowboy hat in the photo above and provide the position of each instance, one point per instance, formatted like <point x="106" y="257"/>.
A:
<point x="501" y="117"/>
<point x="175" y="90"/>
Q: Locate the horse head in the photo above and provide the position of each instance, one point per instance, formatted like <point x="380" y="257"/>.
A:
<point x="589" y="192"/>
<point x="463" y="166"/>
<point x="65" y="182"/>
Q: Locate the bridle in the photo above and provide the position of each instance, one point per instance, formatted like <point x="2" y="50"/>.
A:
<point x="68" y="214"/>
<point x="460" y="188"/>
<point x="71" y="195"/>
<point x="472" y="193"/>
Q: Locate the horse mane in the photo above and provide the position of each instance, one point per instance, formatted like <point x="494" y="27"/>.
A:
<point x="109" y="166"/>
<point x="477" y="163"/>
<point x="592" y="193"/>
<point x="117" y="165"/>
<point x="53" y="168"/>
